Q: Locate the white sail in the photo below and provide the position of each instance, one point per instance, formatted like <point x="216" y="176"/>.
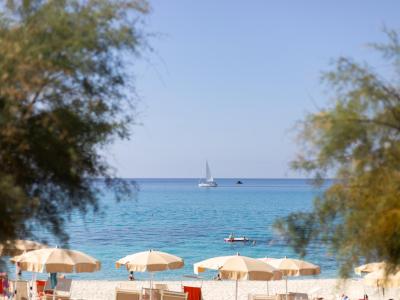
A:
<point x="209" y="177"/>
<point x="209" y="180"/>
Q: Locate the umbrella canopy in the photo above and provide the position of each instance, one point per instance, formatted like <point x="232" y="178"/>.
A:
<point x="379" y="278"/>
<point x="292" y="267"/>
<point x="214" y="263"/>
<point x="368" y="268"/>
<point x="150" y="261"/>
<point x="238" y="267"/>
<point x="52" y="260"/>
<point x="242" y="267"/>
<point x="17" y="247"/>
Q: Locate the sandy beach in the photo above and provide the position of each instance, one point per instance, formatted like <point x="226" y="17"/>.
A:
<point x="224" y="290"/>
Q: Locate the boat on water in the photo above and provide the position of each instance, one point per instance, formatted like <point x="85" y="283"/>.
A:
<point x="209" y="180"/>
<point x="233" y="239"/>
<point x="239" y="182"/>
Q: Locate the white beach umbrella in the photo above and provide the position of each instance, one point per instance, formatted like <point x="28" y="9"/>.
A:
<point x="379" y="278"/>
<point x="18" y="247"/>
<point x="237" y="268"/>
<point x="292" y="267"/>
<point x="214" y="263"/>
<point x="370" y="267"/>
<point x="56" y="260"/>
<point x="150" y="261"/>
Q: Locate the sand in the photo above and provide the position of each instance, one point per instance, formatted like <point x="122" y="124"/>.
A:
<point x="224" y="290"/>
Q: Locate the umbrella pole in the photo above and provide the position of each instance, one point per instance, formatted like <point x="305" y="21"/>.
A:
<point x="151" y="285"/>
<point x="286" y="289"/>
<point x="32" y="294"/>
<point x="267" y="289"/>
<point x="236" y="290"/>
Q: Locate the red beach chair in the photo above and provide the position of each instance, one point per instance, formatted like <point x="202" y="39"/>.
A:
<point x="194" y="293"/>
<point x="40" y="288"/>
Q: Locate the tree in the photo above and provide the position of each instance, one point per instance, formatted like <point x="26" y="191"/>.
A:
<point x="65" y="94"/>
<point x="357" y="138"/>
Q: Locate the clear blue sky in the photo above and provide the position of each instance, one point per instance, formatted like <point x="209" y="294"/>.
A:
<point x="229" y="80"/>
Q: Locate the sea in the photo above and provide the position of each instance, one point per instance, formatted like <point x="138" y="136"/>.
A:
<point x="178" y="217"/>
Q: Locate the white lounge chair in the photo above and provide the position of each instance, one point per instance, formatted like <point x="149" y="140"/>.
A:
<point x="62" y="290"/>
<point x="56" y="297"/>
<point x="262" y="297"/>
<point x="122" y="294"/>
<point x="21" y="290"/>
<point x="169" y="295"/>
<point x="299" y="296"/>
<point x="155" y="294"/>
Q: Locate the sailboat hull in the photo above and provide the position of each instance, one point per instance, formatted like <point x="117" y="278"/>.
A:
<point x="208" y="184"/>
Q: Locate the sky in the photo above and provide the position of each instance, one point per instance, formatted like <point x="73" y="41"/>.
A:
<point x="229" y="80"/>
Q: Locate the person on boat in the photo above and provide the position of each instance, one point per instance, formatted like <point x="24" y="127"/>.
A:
<point x="231" y="237"/>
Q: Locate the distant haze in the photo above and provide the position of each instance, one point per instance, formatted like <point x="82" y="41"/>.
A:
<point x="229" y="79"/>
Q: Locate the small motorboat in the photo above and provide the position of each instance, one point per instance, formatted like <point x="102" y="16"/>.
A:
<point x="232" y="239"/>
<point x="239" y="182"/>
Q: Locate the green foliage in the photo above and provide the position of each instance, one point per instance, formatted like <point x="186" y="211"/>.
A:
<point x="65" y="94"/>
<point x="358" y="139"/>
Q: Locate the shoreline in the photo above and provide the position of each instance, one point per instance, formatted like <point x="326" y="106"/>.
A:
<point x="224" y="290"/>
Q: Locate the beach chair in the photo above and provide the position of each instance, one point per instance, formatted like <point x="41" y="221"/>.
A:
<point x="169" y="295"/>
<point x="289" y="296"/>
<point x="299" y="296"/>
<point x="21" y="290"/>
<point x="194" y="293"/>
<point x="2" y="290"/>
<point x="62" y="290"/>
<point x="122" y="294"/>
<point x="63" y="286"/>
<point x="47" y="287"/>
<point x="56" y="297"/>
<point x="40" y="288"/>
<point x="155" y="294"/>
<point x="262" y="297"/>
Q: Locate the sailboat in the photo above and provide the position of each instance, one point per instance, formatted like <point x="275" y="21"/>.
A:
<point x="209" y="180"/>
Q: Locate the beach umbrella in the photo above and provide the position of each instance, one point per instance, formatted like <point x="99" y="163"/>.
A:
<point x="237" y="268"/>
<point x="381" y="279"/>
<point x="292" y="267"/>
<point x="18" y="247"/>
<point x="370" y="267"/>
<point x="214" y="263"/>
<point x="54" y="260"/>
<point x="150" y="261"/>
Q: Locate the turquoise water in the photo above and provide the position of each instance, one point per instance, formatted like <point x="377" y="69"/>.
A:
<point x="176" y="216"/>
